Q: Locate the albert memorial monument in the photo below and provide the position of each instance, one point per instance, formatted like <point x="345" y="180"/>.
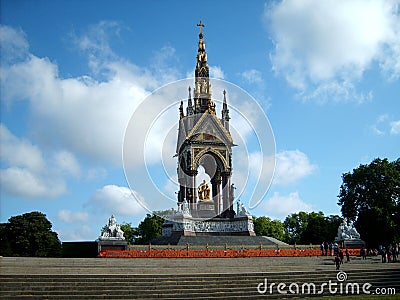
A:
<point x="204" y="139"/>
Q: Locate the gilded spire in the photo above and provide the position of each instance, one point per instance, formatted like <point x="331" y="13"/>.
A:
<point x="201" y="25"/>
<point x="201" y="51"/>
<point x="202" y="90"/>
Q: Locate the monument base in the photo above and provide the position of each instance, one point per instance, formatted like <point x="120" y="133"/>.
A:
<point x="182" y="225"/>
<point x="221" y="241"/>
<point x="351" y="244"/>
<point x="111" y="244"/>
<point x="205" y="209"/>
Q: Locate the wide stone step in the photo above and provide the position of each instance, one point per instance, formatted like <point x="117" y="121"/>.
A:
<point x="189" y="278"/>
<point x="145" y="292"/>
<point x="133" y="281"/>
<point x="189" y="286"/>
<point x="206" y="275"/>
<point x="83" y="282"/>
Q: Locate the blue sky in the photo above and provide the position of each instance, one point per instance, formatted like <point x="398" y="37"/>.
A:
<point x="326" y="74"/>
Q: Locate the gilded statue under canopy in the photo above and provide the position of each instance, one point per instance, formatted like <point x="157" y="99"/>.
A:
<point x="204" y="191"/>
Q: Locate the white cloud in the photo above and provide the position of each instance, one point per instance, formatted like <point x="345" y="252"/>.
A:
<point x="23" y="182"/>
<point x="384" y="125"/>
<point x="252" y="76"/>
<point x="86" y="115"/>
<point x="291" y="166"/>
<point x="116" y="200"/>
<point x="93" y="115"/>
<point x="261" y="166"/>
<point x="377" y="126"/>
<point x="287" y="167"/>
<point x="164" y="64"/>
<point x="13" y="44"/>
<point x="280" y="206"/>
<point x="96" y="174"/>
<point x="328" y="45"/>
<point x="82" y="233"/>
<point x="395" y="127"/>
<point x="66" y="162"/>
<point x="338" y="91"/>
<point x="216" y="72"/>
<point x="20" y="152"/>
<point x="95" y="41"/>
<point x="25" y="172"/>
<point x="68" y="216"/>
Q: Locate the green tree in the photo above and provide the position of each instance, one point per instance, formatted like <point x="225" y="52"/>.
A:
<point x="294" y="226"/>
<point x="5" y="245"/>
<point x="314" y="229"/>
<point x="310" y="228"/>
<point x="369" y="195"/>
<point x="149" y="228"/>
<point x="332" y="224"/>
<point x="267" y="227"/>
<point x="320" y="228"/>
<point x="30" y="235"/>
<point x="130" y="233"/>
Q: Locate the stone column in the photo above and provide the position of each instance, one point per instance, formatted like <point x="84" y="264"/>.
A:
<point x="216" y="192"/>
<point x="182" y="193"/>
<point x="192" y="190"/>
<point x="226" y="183"/>
<point x="231" y="200"/>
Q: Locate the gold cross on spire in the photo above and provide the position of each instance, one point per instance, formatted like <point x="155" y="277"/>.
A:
<point x="201" y="25"/>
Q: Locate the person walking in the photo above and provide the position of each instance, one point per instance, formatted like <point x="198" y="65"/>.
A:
<point x="384" y="255"/>
<point x="337" y="261"/>
<point x="395" y="252"/>
<point x="347" y="255"/>
<point x="341" y="255"/>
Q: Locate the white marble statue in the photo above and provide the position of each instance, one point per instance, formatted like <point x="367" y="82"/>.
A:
<point x="185" y="209"/>
<point x="347" y="232"/>
<point x="112" y="230"/>
<point x="241" y="210"/>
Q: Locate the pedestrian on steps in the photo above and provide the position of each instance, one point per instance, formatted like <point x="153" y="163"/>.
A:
<point x="337" y="261"/>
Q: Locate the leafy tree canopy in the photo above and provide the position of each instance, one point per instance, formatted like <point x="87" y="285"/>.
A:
<point x="310" y="228"/>
<point x="29" y="235"/>
<point x="267" y="227"/>
<point x="130" y="233"/>
<point x="369" y="195"/>
<point x="149" y="228"/>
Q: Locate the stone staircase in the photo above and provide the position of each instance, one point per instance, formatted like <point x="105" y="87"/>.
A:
<point x="189" y="286"/>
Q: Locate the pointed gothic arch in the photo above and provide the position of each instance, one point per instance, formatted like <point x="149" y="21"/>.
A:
<point x="219" y="159"/>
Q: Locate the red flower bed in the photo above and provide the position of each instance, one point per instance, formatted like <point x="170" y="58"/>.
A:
<point x="188" y="253"/>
